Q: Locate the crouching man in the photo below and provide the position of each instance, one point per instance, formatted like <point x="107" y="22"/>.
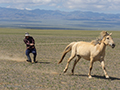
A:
<point x="30" y="47"/>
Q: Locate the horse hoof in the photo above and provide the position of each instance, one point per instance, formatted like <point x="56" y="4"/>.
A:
<point x="107" y="76"/>
<point x="64" y="71"/>
<point x="90" y="77"/>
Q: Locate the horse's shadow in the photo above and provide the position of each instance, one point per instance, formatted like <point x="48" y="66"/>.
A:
<point x="97" y="76"/>
<point x="103" y="77"/>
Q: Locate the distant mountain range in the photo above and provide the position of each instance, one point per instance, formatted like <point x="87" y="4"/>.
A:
<point x="55" y="19"/>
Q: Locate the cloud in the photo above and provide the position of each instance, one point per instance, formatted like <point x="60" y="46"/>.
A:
<point x="29" y="3"/>
<point x="41" y="1"/>
<point x="94" y="5"/>
<point x="90" y="5"/>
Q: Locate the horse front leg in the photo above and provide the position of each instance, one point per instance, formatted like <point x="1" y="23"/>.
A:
<point x="103" y="67"/>
<point x="90" y="68"/>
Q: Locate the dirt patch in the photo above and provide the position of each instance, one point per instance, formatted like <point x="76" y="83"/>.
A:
<point x="12" y="58"/>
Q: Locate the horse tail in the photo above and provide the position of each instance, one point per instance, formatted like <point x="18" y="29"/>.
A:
<point x="66" y="50"/>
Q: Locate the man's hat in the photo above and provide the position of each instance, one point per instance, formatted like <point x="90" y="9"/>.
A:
<point x="27" y="34"/>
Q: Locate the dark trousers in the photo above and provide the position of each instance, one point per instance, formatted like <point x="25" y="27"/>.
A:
<point x="33" y="51"/>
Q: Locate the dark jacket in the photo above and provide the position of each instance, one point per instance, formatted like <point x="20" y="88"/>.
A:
<point x="28" y="42"/>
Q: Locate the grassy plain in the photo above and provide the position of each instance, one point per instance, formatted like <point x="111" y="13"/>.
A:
<point x="17" y="74"/>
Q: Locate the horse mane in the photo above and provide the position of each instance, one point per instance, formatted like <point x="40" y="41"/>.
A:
<point x="99" y="39"/>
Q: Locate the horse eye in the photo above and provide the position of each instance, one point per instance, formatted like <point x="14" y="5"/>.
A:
<point x="108" y="38"/>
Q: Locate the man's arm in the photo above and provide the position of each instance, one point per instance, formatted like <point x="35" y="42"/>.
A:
<point x="33" y="42"/>
<point x="26" y="42"/>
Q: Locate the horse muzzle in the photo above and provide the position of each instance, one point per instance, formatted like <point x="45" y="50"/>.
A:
<point x="113" y="45"/>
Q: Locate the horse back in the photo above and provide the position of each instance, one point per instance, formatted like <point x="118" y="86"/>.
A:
<point x="83" y="49"/>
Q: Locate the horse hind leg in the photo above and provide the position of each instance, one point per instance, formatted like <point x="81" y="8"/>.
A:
<point x="75" y="62"/>
<point x="68" y="62"/>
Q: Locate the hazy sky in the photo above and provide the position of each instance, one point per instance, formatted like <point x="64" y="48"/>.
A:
<point x="106" y="6"/>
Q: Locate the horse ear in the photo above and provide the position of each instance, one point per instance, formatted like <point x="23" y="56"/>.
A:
<point x="110" y="34"/>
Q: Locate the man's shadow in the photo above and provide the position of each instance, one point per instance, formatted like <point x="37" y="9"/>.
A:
<point x="44" y="62"/>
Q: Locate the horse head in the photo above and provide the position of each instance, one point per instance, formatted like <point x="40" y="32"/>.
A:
<point x="107" y="39"/>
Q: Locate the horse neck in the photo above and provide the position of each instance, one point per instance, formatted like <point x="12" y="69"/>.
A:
<point x="102" y="46"/>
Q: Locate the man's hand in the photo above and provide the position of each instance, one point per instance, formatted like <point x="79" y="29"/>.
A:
<point x="27" y="48"/>
<point x="31" y="44"/>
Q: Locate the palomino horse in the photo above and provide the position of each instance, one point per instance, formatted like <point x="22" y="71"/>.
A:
<point x="92" y="51"/>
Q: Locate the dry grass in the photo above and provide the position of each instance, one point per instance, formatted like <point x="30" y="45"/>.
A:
<point x="16" y="73"/>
